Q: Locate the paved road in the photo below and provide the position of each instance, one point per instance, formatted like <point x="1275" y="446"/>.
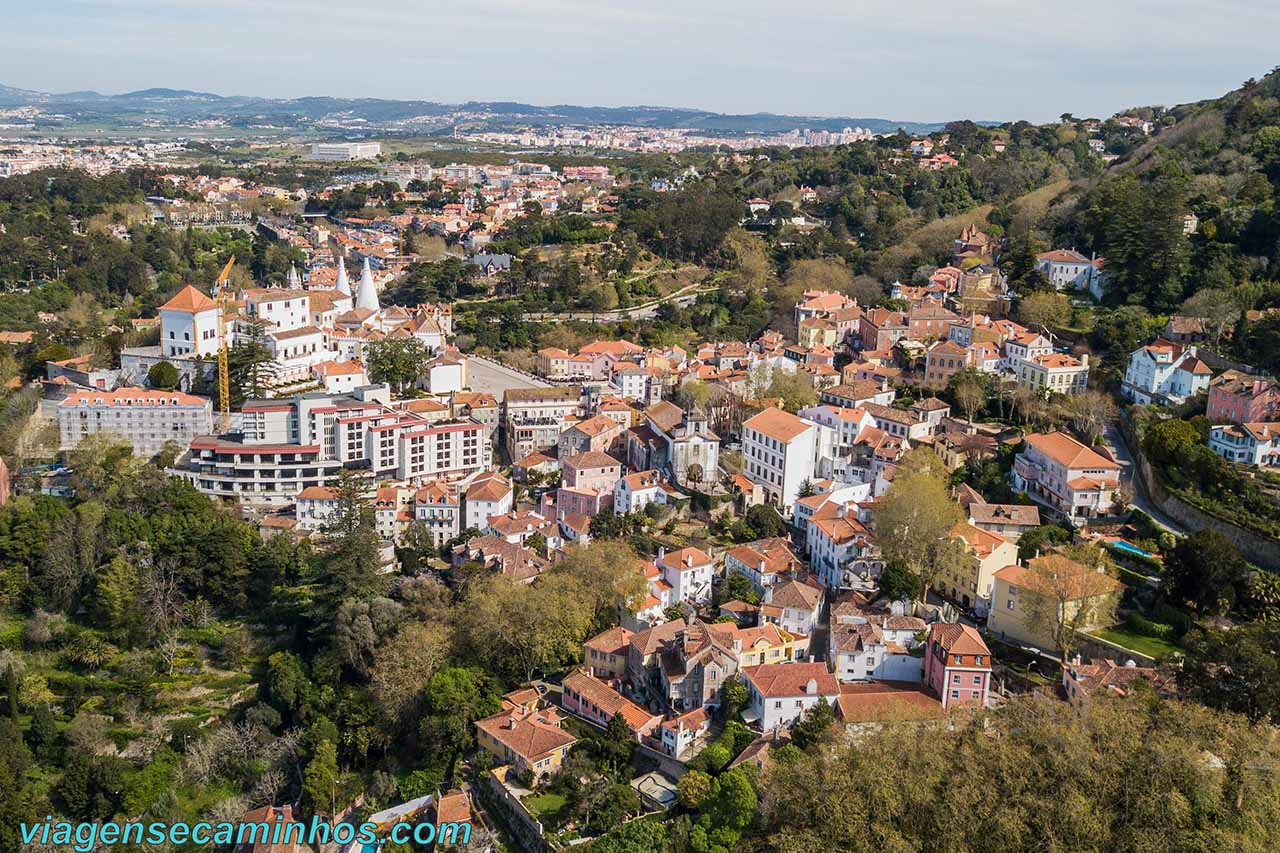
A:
<point x="684" y="296"/>
<point x="1115" y="441"/>
<point x="493" y="378"/>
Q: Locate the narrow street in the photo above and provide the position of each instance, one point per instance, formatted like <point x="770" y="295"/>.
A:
<point x="1116" y="443"/>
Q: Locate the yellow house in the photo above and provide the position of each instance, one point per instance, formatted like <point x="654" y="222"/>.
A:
<point x="756" y="646"/>
<point x="817" y="330"/>
<point x="970" y="583"/>
<point x="526" y="738"/>
<point x="606" y="653"/>
<point x="1069" y="588"/>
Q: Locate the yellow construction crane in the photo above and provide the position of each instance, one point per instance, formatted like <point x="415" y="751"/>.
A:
<point x="222" y="296"/>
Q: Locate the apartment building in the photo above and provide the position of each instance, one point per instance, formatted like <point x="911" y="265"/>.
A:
<point x="533" y="418"/>
<point x="780" y="452"/>
<point x="286" y="445"/>
<point x="147" y="418"/>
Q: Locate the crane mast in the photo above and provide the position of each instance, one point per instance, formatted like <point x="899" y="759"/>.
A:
<point x="222" y="296"/>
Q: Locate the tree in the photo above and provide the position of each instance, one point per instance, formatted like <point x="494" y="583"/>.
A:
<point x="1045" y="309"/>
<point x="163" y="375"/>
<point x="1207" y="572"/>
<point x="913" y="521"/>
<point x="795" y="391"/>
<point x="11" y="689"/>
<point x="734" y="696"/>
<point x="693" y="789"/>
<point x="969" y="387"/>
<point x="287" y="682"/>
<point x="816" y="723"/>
<point x="397" y="362"/>
<point x="738" y="587"/>
<point x="360" y="626"/>
<point x="347" y="565"/>
<point x="1061" y="597"/>
<point x="456" y="698"/>
<point x="402" y="668"/>
<point x="1216" y="309"/>
<point x="1089" y="413"/>
<point x="320" y="780"/>
<point x="1235" y="669"/>
<point x="617" y="745"/>
<point x="1118" y="777"/>
<point x="44" y="732"/>
<point x="1167" y="442"/>
<point x="897" y="582"/>
<point x="765" y="521"/>
<point x="1042" y="538"/>
<point x="247" y="365"/>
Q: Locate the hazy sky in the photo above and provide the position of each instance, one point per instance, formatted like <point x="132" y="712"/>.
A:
<point x="900" y="59"/>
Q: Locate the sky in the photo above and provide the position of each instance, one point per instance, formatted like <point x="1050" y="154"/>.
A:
<point x="908" y="60"/>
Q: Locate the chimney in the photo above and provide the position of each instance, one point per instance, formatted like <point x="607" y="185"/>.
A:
<point x="688" y="560"/>
<point x="661" y="553"/>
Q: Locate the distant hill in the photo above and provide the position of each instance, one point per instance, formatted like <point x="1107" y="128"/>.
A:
<point x="180" y="107"/>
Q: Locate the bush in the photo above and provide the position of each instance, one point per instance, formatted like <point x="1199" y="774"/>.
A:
<point x="163" y="375"/>
<point x="1175" y="617"/>
<point x="1148" y="628"/>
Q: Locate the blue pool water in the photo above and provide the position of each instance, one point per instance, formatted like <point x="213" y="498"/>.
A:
<point x="1122" y="545"/>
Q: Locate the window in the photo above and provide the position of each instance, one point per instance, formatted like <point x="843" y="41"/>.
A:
<point x="955" y="694"/>
<point x="977" y="680"/>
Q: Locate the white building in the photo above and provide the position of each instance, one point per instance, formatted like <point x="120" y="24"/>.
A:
<point x="637" y="490"/>
<point x="289" y="444"/>
<point x="488" y="495"/>
<point x="1056" y="373"/>
<point x="688" y="571"/>
<point x="190" y="325"/>
<point x="867" y="646"/>
<point x="782" y="692"/>
<point x="1164" y="372"/>
<point x="1067" y="268"/>
<point x="147" y="418"/>
<point x="781" y="451"/>
<point x="336" y="151"/>
<point x="1248" y="444"/>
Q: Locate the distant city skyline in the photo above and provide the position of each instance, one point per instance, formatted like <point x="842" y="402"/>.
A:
<point x="928" y="61"/>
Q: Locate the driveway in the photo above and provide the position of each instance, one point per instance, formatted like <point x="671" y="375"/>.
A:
<point x="1115" y="442"/>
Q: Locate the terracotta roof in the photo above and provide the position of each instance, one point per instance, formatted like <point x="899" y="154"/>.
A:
<point x="590" y="459"/>
<point x="778" y="425"/>
<point x="126" y="396"/>
<point x="1035" y="575"/>
<point x="191" y="300"/>
<point x="1023" y="516"/>
<point x="317" y="493"/>
<point x="792" y="679"/>
<point x="529" y="735"/>
<point x="685" y="558"/>
<point x="488" y="487"/>
<point x="1069" y="452"/>
<point x="454" y="807"/>
<point x="608" y="700"/>
<point x="613" y="641"/>
<point x="955" y="638"/>
<point x="884" y="701"/>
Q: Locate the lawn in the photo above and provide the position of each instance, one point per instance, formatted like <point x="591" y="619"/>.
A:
<point x="1151" y="646"/>
<point x="545" y="807"/>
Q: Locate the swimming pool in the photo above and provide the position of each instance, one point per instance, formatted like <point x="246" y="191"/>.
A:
<point x="1121" y="545"/>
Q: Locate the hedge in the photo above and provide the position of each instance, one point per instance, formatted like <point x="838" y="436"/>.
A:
<point x="1148" y="628"/>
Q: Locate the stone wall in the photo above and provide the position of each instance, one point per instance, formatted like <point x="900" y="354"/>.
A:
<point x="1255" y="547"/>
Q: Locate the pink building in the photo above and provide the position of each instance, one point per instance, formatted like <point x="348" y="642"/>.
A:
<point x="1243" y="399"/>
<point x="589" y="697"/>
<point x="957" y="665"/>
<point x="591" y="470"/>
